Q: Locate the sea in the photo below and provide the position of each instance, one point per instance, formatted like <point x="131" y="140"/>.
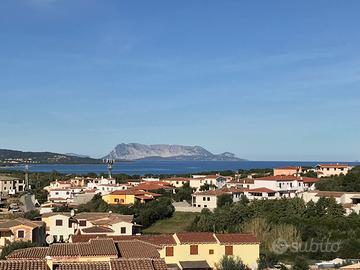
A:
<point x="145" y="167"/>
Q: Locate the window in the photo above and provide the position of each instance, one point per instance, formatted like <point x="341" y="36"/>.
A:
<point x="61" y="238"/>
<point x="205" y="206"/>
<point x="116" y="200"/>
<point x="70" y="223"/>
<point x="228" y="250"/>
<point x="123" y="230"/>
<point x="169" y="251"/>
<point x="58" y="222"/>
<point x="211" y="251"/>
<point x="82" y="223"/>
<point x="208" y="198"/>
<point x="204" y="198"/>
<point x="194" y="250"/>
<point x="21" y="234"/>
<point x="56" y="193"/>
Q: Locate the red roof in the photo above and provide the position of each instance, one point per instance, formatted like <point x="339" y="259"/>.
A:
<point x="288" y="168"/>
<point x="159" y="240"/>
<point x="236" y="238"/>
<point x="337" y="165"/>
<point x="153" y="186"/>
<point x="180" y="179"/>
<point x="196" y="237"/>
<point x="262" y="189"/>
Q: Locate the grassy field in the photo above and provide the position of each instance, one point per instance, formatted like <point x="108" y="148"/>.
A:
<point x="179" y="222"/>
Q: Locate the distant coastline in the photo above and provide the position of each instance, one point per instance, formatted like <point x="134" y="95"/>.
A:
<point x="142" y="167"/>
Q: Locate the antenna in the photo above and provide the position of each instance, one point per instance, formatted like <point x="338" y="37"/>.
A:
<point x="109" y="163"/>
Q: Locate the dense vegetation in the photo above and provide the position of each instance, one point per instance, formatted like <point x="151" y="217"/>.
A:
<point x="348" y="183"/>
<point x="230" y="263"/>
<point x="14" y="246"/>
<point x="289" y="219"/>
<point x="144" y="214"/>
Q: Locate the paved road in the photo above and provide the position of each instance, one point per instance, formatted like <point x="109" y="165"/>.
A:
<point x="28" y="202"/>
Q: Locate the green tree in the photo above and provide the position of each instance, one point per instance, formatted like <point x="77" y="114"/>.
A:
<point x="14" y="246"/>
<point x="32" y="215"/>
<point x="184" y="193"/>
<point x="224" y="199"/>
<point x="230" y="263"/>
<point x="300" y="263"/>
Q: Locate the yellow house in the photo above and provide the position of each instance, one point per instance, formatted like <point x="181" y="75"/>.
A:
<point x="130" y="196"/>
<point x="21" y="229"/>
<point x="192" y="250"/>
<point x="205" y="250"/>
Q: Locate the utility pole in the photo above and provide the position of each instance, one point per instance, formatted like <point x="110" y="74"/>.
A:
<point x="26" y="177"/>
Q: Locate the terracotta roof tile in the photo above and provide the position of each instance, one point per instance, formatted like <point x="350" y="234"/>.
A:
<point x="236" y="238"/>
<point x="29" y="253"/>
<point x="196" y="237"/>
<point x="138" y="264"/>
<point x="137" y="249"/>
<point x="159" y="240"/>
<point x="98" y="247"/>
<point x="98" y="229"/>
<point x="337" y="165"/>
<point x="95" y="247"/>
<point x="262" y="189"/>
<point x="83" y="266"/>
<point x="23" y="265"/>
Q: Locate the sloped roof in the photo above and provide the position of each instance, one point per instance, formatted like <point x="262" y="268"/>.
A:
<point x="159" y="240"/>
<point x="97" y="229"/>
<point x="137" y="249"/>
<point x="262" y="189"/>
<point x="23" y="265"/>
<point x="9" y="223"/>
<point x="236" y="238"/>
<point x="84" y="266"/>
<point x="196" y="237"/>
<point x="95" y="247"/>
<point x="101" y="218"/>
<point x="138" y="264"/>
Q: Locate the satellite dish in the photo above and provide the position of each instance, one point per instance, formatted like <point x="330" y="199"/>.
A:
<point x="72" y="212"/>
<point x="49" y="239"/>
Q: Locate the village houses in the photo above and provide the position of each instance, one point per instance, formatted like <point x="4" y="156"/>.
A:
<point x="21" y="229"/>
<point x="328" y="170"/>
<point x="61" y="225"/>
<point x="145" y="252"/>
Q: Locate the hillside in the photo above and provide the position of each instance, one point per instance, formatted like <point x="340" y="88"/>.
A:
<point x="14" y="157"/>
<point x="136" y="151"/>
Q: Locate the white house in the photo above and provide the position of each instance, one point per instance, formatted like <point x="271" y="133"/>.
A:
<point x="199" y="180"/>
<point x="10" y="185"/>
<point x="349" y="200"/>
<point x="287" y="186"/>
<point x="61" y="226"/>
<point x="60" y="195"/>
<point x="209" y="198"/>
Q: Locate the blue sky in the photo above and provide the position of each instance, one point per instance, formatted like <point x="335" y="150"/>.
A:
<point x="267" y="80"/>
